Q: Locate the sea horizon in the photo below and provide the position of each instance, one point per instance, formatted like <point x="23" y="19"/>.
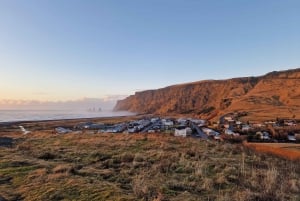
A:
<point x="17" y="115"/>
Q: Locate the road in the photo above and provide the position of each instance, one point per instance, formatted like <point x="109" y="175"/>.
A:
<point x="145" y="130"/>
<point x="150" y="126"/>
<point x="199" y="131"/>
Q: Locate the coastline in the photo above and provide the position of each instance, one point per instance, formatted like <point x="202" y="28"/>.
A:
<point x="8" y="116"/>
<point x="52" y="120"/>
<point x="44" y="125"/>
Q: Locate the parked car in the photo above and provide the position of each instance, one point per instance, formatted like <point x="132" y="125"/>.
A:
<point x="291" y="137"/>
<point x="265" y="136"/>
<point x="217" y="136"/>
<point x="61" y="130"/>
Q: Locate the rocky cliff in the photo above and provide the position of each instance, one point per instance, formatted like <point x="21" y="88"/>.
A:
<point x="276" y="94"/>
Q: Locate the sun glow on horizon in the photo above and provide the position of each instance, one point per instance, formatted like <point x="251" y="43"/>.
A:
<point x="49" y="52"/>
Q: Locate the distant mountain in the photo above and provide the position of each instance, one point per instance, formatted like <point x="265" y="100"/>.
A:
<point x="276" y="94"/>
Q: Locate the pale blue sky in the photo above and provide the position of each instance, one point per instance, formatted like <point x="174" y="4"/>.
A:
<point x="69" y="49"/>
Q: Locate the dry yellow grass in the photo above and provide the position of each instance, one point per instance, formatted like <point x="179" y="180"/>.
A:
<point x="157" y="167"/>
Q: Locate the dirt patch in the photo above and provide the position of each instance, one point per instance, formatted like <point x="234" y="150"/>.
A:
<point x="285" y="150"/>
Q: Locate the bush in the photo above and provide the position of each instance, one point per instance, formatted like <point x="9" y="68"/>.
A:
<point x="47" y="156"/>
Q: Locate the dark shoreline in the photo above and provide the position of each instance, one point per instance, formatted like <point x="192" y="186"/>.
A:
<point x="62" y="122"/>
<point x="64" y="119"/>
<point x="51" y="120"/>
<point x="106" y="114"/>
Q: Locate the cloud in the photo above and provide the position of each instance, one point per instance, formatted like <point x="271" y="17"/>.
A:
<point x="40" y="93"/>
<point x="114" y="97"/>
<point x="107" y="102"/>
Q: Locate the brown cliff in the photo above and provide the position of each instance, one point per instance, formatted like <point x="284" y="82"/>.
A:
<point x="276" y="94"/>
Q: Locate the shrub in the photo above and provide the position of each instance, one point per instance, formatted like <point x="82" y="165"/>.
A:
<point x="47" y="156"/>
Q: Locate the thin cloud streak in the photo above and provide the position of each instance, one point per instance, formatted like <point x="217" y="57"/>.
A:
<point x="106" y="103"/>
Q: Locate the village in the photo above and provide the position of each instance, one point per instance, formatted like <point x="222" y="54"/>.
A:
<point x="228" y="128"/>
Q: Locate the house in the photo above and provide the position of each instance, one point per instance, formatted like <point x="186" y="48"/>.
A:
<point x="230" y="132"/>
<point x="133" y="129"/>
<point x="61" y="130"/>
<point x="167" y="122"/>
<point x="246" y="128"/>
<point x="265" y="136"/>
<point x="291" y="137"/>
<point x="144" y="122"/>
<point x="272" y="123"/>
<point x="290" y="123"/>
<point x="182" y="121"/>
<point x="258" y="125"/>
<point x="211" y="133"/>
<point x="84" y="125"/>
<point x="89" y="125"/>
<point x="228" y="119"/>
<point x="182" y="132"/>
<point x="199" y="122"/>
<point x="153" y="120"/>
<point x="96" y="126"/>
<point x="238" y="123"/>
<point x="226" y="125"/>
<point x="217" y="137"/>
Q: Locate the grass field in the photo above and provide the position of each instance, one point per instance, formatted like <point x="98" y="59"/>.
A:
<point x="43" y="166"/>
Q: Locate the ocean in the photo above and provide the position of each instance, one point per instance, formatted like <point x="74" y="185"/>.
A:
<point x="36" y="115"/>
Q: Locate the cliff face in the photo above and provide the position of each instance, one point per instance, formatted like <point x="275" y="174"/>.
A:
<point x="277" y="93"/>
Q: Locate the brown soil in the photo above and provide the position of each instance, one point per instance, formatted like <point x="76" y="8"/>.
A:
<point x="286" y="150"/>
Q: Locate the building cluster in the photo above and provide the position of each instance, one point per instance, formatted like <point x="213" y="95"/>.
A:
<point x="228" y="127"/>
<point x="285" y="130"/>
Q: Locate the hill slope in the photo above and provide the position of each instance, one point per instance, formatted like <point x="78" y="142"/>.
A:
<point x="276" y="94"/>
<point x="153" y="167"/>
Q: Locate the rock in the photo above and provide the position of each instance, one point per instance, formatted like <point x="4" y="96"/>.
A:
<point x="277" y="92"/>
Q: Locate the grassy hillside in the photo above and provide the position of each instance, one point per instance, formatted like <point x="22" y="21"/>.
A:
<point x="141" y="167"/>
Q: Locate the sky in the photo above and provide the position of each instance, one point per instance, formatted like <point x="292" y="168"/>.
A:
<point x="62" y="50"/>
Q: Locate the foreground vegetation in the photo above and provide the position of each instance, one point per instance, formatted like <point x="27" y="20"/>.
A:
<point x="44" y="166"/>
